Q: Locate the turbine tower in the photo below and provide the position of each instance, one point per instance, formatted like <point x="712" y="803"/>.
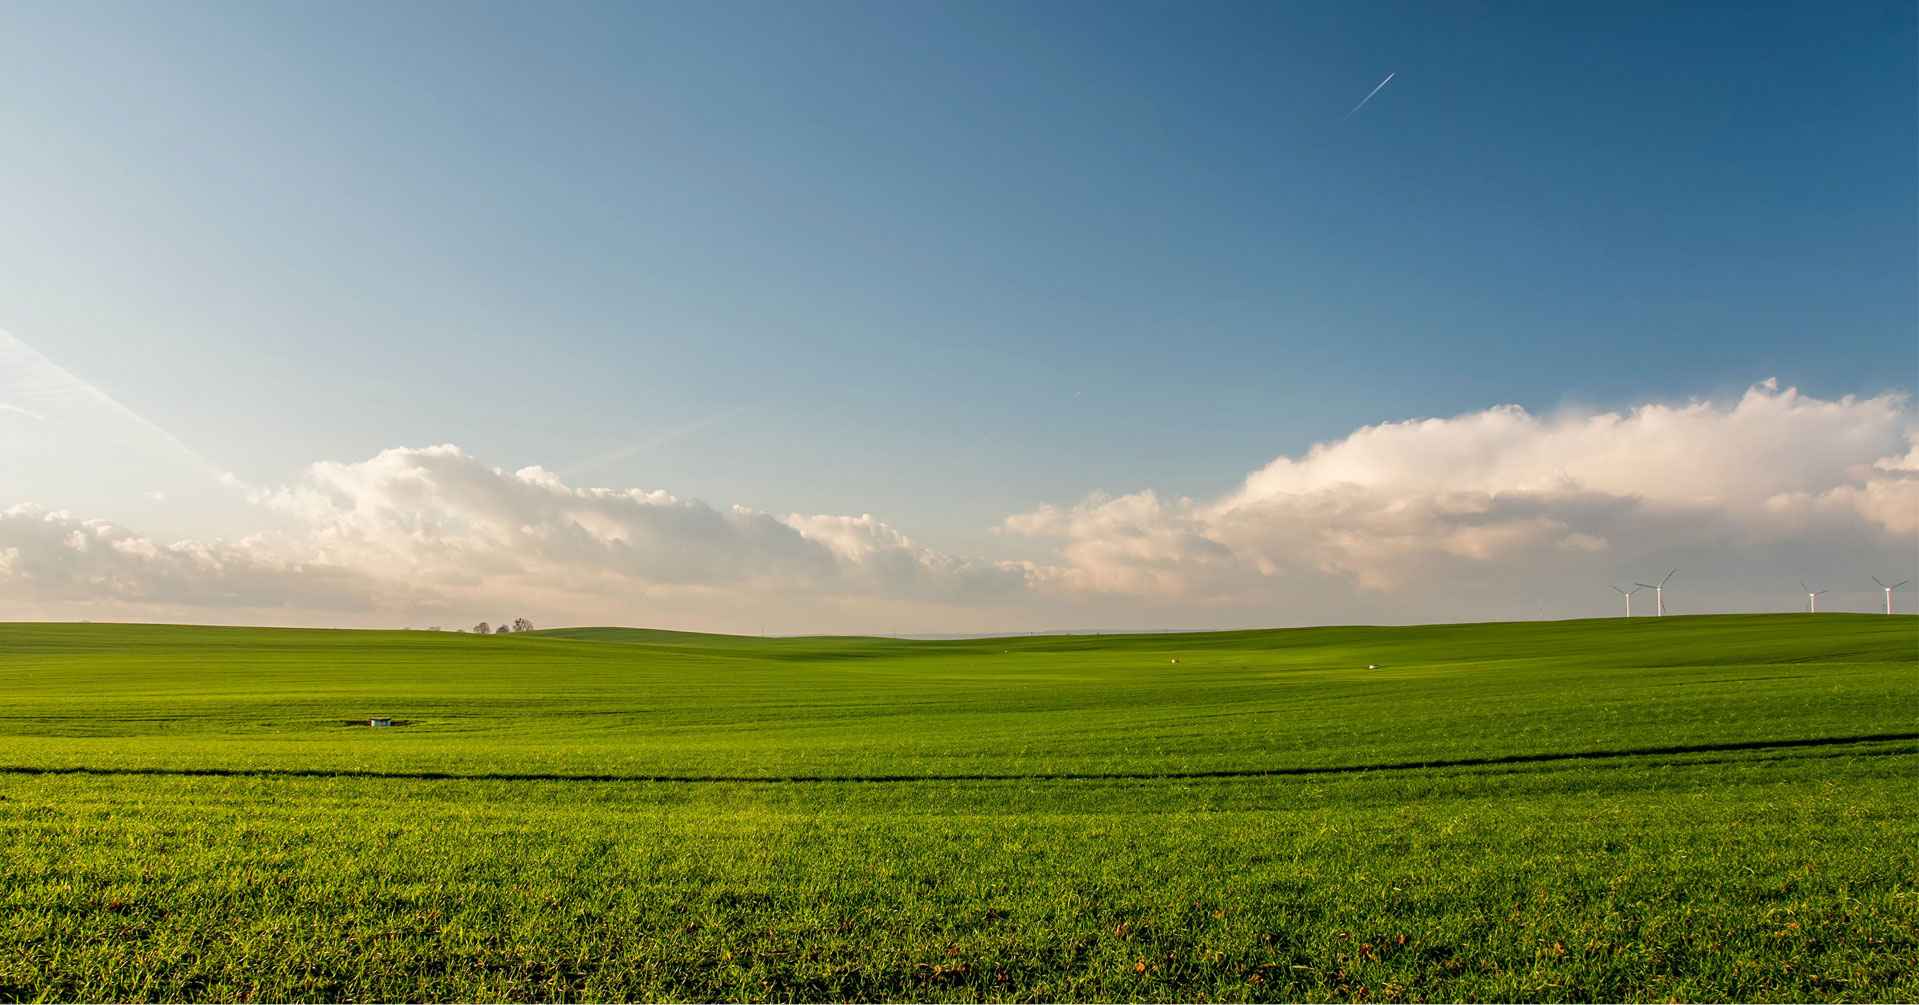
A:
<point x="1628" y="595"/>
<point x="1812" y="597"/>
<point x="1658" y="591"/>
<point x="1889" y="590"/>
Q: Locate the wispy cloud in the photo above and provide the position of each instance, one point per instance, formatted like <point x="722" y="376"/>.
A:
<point x="660" y="439"/>
<point x="29" y="413"/>
<point x="1369" y="96"/>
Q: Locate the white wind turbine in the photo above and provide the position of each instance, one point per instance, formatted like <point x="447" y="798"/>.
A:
<point x="1628" y="595"/>
<point x="1889" y="590"/>
<point x="1812" y="597"/>
<point x="1658" y="591"/>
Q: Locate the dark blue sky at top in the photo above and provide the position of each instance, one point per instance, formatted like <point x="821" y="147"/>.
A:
<point x="952" y="260"/>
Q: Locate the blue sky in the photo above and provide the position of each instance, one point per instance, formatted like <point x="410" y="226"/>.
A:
<point x="937" y="263"/>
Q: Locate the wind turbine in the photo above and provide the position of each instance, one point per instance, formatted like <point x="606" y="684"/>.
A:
<point x="1812" y="597"/>
<point x="1889" y="590"/>
<point x="1628" y="595"/>
<point x="1658" y="591"/>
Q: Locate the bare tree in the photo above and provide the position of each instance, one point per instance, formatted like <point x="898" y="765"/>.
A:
<point x="482" y="628"/>
<point x="522" y="625"/>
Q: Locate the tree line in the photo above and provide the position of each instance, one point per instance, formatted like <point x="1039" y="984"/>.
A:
<point x="517" y="625"/>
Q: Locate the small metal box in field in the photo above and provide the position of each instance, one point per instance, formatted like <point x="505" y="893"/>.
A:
<point x="380" y="720"/>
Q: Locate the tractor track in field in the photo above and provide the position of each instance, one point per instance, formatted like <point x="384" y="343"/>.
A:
<point x="1278" y="772"/>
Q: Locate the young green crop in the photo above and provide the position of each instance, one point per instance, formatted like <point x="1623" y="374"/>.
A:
<point x="1692" y="808"/>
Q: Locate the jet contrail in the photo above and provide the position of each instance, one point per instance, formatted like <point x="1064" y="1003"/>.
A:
<point x="48" y="385"/>
<point x="648" y="443"/>
<point x="1369" y="97"/>
<point x="973" y="450"/>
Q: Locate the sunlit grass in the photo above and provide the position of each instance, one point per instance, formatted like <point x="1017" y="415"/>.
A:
<point x="1693" y="808"/>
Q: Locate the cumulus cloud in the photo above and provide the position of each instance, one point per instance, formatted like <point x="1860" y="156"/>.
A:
<point x="1407" y="502"/>
<point x="439" y="516"/>
<point x="1406" y="517"/>
<point x="427" y="528"/>
<point x="53" y="556"/>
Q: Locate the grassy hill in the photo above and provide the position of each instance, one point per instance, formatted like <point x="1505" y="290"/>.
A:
<point x="1691" y="807"/>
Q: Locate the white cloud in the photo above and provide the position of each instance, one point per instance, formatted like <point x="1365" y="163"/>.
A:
<point x="51" y="557"/>
<point x="1403" y="503"/>
<point x="439" y="517"/>
<point x="434" y="528"/>
<point x="1401" y="521"/>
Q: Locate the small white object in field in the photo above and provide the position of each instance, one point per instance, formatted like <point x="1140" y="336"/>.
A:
<point x="380" y="720"/>
<point x="1372" y="666"/>
<point x="1176" y="661"/>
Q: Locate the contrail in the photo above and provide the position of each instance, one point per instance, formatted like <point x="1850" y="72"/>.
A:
<point x="49" y="385"/>
<point x="974" y="449"/>
<point x="647" y="444"/>
<point x="1369" y="97"/>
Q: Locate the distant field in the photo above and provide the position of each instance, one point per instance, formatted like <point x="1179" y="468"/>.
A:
<point x="1679" y="808"/>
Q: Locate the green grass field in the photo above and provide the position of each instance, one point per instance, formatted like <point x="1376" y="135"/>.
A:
<point x="1678" y="808"/>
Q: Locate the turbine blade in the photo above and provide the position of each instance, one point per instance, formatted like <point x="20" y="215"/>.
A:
<point x="1899" y="584"/>
<point x="1876" y="580"/>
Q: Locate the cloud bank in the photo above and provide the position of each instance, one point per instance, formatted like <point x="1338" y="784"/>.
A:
<point x="1415" y="504"/>
<point x="1386" y="518"/>
<point x="52" y="557"/>
<point x="440" y="518"/>
<point x="436" y="529"/>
